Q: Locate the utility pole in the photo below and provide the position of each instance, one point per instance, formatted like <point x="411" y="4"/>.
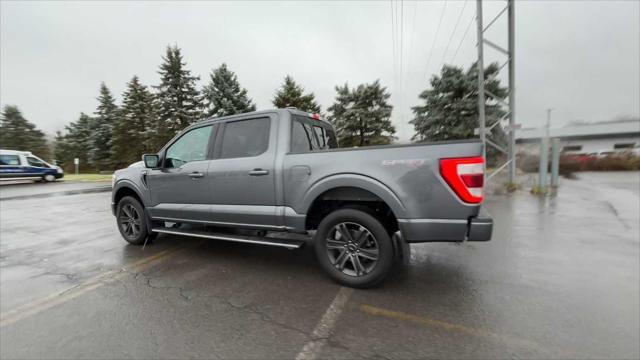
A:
<point x="508" y="149"/>
<point x="548" y="122"/>
<point x="480" y="64"/>
<point x="544" y="156"/>
<point x="512" y="93"/>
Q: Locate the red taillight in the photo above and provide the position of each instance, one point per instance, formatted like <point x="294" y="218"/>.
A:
<point x="465" y="176"/>
<point x="475" y="180"/>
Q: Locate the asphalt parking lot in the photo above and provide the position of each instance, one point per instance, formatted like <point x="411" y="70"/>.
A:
<point x="560" y="279"/>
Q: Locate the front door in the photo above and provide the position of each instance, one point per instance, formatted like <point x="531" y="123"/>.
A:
<point x="180" y="189"/>
<point x="243" y="174"/>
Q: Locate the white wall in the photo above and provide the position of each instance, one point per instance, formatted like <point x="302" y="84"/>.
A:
<point x="588" y="145"/>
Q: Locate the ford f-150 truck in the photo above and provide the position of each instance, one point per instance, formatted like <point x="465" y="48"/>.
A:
<point x="244" y="177"/>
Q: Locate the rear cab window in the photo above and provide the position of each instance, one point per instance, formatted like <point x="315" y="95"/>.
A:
<point x="309" y="135"/>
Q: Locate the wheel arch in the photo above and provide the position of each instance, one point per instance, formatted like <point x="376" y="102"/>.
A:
<point x="349" y="190"/>
<point x="125" y="188"/>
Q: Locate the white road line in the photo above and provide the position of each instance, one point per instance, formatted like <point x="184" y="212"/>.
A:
<point x="323" y="329"/>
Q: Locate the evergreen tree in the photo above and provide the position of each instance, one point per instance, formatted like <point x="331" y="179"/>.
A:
<point x="292" y="94"/>
<point x="101" y="140"/>
<point x="77" y="142"/>
<point x="62" y="151"/>
<point x="134" y="129"/>
<point x="17" y="133"/>
<point x="224" y="96"/>
<point x="362" y="116"/>
<point x="179" y="102"/>
<point x="450" y="109"/>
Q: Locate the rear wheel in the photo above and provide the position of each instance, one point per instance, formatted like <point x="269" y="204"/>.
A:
<point x="132" y="222"/>
<point x="354" y="248"/>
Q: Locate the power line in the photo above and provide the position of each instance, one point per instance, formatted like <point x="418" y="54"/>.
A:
<point x="464" y="36"/>
<point x="401" y="47"/>
<point x="433" y="44"/>
<point x="393" y="41"/>
<point x="454" y="31"/>
<point x="413" y="31"/>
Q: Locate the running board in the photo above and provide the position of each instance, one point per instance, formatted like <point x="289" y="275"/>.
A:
<point x="289" y="244"/>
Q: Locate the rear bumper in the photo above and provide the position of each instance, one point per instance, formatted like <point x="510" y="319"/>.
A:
<point x="437" y="230"/>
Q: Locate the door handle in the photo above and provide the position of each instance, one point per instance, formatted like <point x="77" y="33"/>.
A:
<point x="196" y="175"/>
<point x="258" y="172"/>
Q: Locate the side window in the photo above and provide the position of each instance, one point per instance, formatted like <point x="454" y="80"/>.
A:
<point x="321" y="136"/>
<point x="332" y="143"/>
<point x="312" y="136"/>
<point x="300" y="141"/>
<point x="307" y="136"/>
<point x="9" y="160"/>
<point x="245" y="138"/>
<point x="192" y="146"/>
<point x="35" y="162"/>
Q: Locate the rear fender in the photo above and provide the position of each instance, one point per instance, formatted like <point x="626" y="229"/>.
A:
<point x="357" y="181"/>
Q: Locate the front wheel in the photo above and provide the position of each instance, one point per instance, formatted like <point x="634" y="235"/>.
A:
<point x="354" y="248"/>
<point x="49" y="178"/>
<point x="132" y="222"/>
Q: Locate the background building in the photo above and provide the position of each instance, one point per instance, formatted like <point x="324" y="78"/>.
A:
<point x="589" y="138"/>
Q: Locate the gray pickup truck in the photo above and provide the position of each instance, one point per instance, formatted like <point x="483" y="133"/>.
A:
<point x="250" y="177"/>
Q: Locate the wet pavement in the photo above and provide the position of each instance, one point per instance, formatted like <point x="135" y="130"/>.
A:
<point x="560" y="279"/>
<point x="29" y="189"/>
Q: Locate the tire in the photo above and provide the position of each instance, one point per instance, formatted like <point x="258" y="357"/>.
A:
<point x="361" y="259"/>
<point x="49" y="178"/>
<point x="132" y="221"/>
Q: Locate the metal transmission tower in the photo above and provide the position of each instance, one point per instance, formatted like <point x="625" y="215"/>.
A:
<point x="510" y="53"/>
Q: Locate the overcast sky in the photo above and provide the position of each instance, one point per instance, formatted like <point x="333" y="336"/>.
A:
<point x="580" y="58"/>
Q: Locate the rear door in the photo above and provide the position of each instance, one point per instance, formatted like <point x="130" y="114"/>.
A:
<point x="181" y="188"/>
<point x="243" y="174"/>
<point x="11" y="167"/>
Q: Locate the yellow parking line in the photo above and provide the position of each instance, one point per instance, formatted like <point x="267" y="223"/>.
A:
<point x="93" y="283"/>
<point x="397" y="315"/>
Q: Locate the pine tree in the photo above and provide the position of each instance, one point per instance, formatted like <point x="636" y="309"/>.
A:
<point x="224" y="96"/>
<point x="362" y="116"/>
<point x="179" y="102"/>
<point x="292" y="95"/>
<point x="450" y="109"/>
<point x="62" y="151"/>
<point x="134" y="129"/>
<point x="101" y="140"/>
<point x="17" y="133"/>
<point x="77" y="142"/>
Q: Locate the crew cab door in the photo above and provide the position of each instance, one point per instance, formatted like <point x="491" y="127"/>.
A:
<point x="180" y="190"/>
<point x="243" y="174"/>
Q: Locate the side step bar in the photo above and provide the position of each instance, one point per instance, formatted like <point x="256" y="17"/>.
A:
<point x="289" y="244"/>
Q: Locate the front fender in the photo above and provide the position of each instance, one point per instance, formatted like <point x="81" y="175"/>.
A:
<point x="126" y="183"/>
<point x="358" y="181"/>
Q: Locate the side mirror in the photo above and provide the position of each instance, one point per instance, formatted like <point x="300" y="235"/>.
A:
<point x="151" y="161"/>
